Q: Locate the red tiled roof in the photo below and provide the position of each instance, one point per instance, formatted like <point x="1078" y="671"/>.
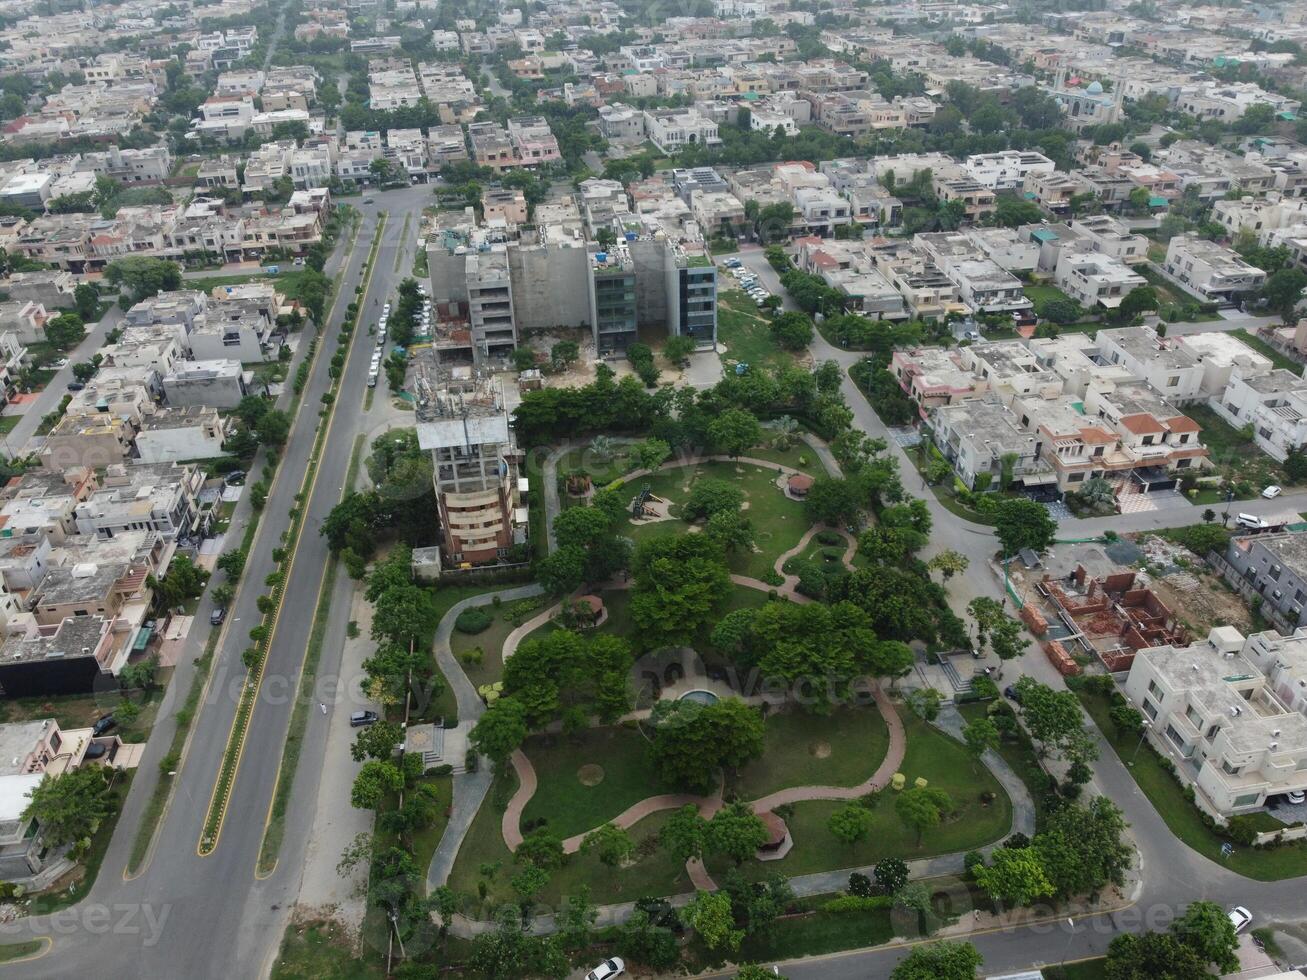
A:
<point x="1141" y="424"/>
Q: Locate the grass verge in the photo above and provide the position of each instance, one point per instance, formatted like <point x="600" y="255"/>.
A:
<point x="1183" y="817"/>
<point x="403" y="237"/>
<point x="17" y="951"/>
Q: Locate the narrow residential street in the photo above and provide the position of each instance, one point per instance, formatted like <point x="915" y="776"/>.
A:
<point x="1173" y="874"/>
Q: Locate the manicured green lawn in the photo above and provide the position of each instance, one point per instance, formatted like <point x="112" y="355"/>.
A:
<point x="657" y="873"/>
<point x="491" y="642"/>
<point x="745" y="331"/>
<point x="564" y="801"/>
<point x="804" y="749"/>
<point x="778" y="522"/>
<point x="1262" y="347"/>
<point x="945" y="764"/>
<point x="1094" y="969"/>
<point x="602" y="471"/>
<point x="1041" y="294"/>
<point x="798" y="456"/>
<point x="1019" y="753"/>
<point x="1182" y="817"/>
<point x="817" y="933"/>
<point x="426" y="841"/>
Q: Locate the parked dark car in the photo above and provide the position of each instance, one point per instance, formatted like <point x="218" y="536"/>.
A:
<point x="1010" y="692"/>
<point x="75" y="386"/>
<point x="105" y="725"/>
<point x="235" y="478"/>
<point x="96" y="750"/>
<point x="359" y="719"/>
<point x="216" y="617"/>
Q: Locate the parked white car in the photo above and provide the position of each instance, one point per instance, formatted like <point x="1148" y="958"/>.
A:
<point x="1240" y="918"/>
<point x="607" y="970"/>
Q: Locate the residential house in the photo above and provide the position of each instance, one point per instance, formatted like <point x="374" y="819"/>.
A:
<point x="182" y="433"/>
<point x="1211" y="711"/>
<point x="1212" y="271"/>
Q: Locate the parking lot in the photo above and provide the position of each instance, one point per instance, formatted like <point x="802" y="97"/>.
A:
<point x="748" y="280"/>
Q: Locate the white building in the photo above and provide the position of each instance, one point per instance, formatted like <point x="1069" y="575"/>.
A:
<point x="1008" y="169"/>
<point x="671" y="129"/>
<point x="176" y="434"/>
<point x="1172" y="370"/>
<point x="1274" y="404"/>
<point x="1095" y="278"/>
<point x="1213" y="271"/>
<point x="1211" y="711"/>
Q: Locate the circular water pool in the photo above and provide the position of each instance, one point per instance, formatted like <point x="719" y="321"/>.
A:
<point x="702" y="697"/>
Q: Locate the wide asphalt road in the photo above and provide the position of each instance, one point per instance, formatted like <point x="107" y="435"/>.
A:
<point x="187" y="915"/>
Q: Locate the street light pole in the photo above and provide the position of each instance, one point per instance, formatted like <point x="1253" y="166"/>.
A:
<point x="1140" y="744"/>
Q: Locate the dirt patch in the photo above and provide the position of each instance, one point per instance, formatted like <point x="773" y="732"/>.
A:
<point x="1201" y="601"/>
<point x="819" y="750"/>
<point x="590" y="775"/>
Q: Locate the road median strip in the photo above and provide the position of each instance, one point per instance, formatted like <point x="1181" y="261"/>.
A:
<point x="170" y="765"/>
<point x="263" y="634"/>
<point x="275" y="829"/>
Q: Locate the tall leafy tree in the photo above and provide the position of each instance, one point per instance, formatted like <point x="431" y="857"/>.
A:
<point x="679" y="582"/>
<point x="939" y="961"/>
<point x="70" y="806"/>
<point x="692" y="741"/>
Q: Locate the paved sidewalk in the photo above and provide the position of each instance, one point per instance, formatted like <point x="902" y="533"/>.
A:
<point x="469" y="788"/>
<point x="335" y="825"/>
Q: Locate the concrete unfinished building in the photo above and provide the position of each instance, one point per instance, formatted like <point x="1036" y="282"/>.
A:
<point x="463" y="422"/>
<point x="1110" y="618"/>
<point x="487" y="293"/>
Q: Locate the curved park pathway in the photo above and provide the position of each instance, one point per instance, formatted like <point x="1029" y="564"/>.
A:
<point x="708" y="805"/>
<point x="470" y="789"/>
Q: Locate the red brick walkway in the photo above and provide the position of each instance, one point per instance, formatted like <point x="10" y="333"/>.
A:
<point x="708" y="805"/>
